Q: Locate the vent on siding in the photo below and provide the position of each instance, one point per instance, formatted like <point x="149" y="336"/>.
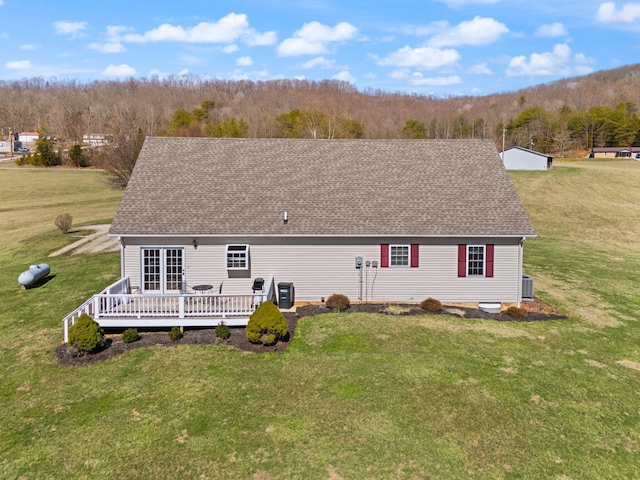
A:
<point x="527" y="287"/>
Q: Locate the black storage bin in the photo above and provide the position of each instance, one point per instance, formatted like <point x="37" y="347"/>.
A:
<point x="285" y="295"/>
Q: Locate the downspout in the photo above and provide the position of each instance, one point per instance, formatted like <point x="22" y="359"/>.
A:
<point x="520" y="270"/>
<point x="121" y="257"/>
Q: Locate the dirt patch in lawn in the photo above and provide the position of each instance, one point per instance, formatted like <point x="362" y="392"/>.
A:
<point x="537" y="310"/>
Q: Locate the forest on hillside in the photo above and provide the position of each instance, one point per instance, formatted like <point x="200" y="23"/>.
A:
<point x="565" y="117"/>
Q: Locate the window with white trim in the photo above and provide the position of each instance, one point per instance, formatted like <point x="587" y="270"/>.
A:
<point x="475" y="260"/>
<point x="399" y="255"/>
<point x="237" y="257"/>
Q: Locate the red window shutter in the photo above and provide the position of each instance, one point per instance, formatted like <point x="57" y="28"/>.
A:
<point x="488" y="269"/>
<point x="462" y="260"/>
<point x="384" y="255"/>
<point x="415" y="255"/>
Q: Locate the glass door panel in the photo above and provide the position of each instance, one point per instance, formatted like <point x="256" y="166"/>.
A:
<point x="174" y="270"/>
<point x="151" y="270"/>
<point x="162" y="270"/>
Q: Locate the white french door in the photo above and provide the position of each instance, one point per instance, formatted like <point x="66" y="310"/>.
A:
<point x="163" y="270"/>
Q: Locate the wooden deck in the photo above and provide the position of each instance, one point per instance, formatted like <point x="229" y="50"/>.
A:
<point x="116" y="307"/>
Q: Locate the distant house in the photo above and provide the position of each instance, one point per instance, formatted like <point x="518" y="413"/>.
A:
<point x="615" y="152"/>
<point x="96" y="139"/>
<point x="28" y="137"/>
<point x="205" y="221"/>
<point x="519" y="158"/>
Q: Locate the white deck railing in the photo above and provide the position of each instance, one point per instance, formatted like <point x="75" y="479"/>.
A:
<point x="116" y="307"/>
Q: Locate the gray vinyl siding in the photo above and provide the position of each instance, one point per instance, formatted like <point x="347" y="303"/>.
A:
<point x="321" y="267"/>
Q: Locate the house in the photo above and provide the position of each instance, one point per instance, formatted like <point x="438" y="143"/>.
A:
<point x="94" y="140"/>
<point x="519" y="158"/>
<point x="376" y="220"/>
<point x="28" y="137"/>
<point x="615" y="152"/>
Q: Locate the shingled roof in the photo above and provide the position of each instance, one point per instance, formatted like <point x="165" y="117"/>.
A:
<point x="207" y="186"/>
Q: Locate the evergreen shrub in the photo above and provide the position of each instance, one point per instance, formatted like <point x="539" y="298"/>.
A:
<point x="222" y="331"/>
<point x="130" y="335"/>
<point x="85" y="336"/>
<point x="175" y="334"/>
<point x="267" y="325"/>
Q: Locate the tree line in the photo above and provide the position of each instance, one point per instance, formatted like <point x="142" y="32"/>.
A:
<point x="564" y="117"/>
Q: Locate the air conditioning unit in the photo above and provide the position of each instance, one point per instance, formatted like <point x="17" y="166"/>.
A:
<point x="527" y="287"/>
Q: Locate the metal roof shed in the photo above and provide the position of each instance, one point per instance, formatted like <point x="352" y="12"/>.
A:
<point x="519" y="158"/>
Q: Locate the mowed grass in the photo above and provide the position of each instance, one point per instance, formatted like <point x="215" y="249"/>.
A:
<point x="356" y="395"/>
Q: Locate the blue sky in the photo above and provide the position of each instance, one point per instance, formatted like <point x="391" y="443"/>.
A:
<point x="440" y="47"/>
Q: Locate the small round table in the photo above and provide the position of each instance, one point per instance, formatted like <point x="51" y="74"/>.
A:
<point x="202" y="288"/>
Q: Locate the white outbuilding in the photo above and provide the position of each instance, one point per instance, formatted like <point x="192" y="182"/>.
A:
<point x="28" y="137"/>
<point x="519" y="158"/>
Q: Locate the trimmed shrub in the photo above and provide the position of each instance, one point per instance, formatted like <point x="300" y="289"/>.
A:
<point x="85" y="336"/>
<point x="63" y="222"/>
<point x="130" y="335"/>
<point x="222" y="331"/>
<point x="516" y="312"/>
<point x="175" y="334"/>
<point x="267" y="325"/>
<point x="431" y="305"/>
<point x="337" y="301"/>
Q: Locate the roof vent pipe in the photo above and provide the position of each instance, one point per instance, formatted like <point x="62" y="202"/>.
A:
<point x="285" y="218"/>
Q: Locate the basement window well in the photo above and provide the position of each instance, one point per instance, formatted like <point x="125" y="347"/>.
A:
<point x="237" y="257"/>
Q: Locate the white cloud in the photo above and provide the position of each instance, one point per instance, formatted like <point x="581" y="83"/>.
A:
<point x="481" y="69"/>
<point x="256" y="75"/>
<point x="256" y="39"/>
<point x="244" y="61"/>
<point x="558" y="62"/>
<point x="313" y="37"/>
<point x="231" y="48"/>
<point x="419" y="80"/>
<point x="479" y="31"/>
<point x="319" y="62"/>
<point x="18" y="65"/>
<point x="157" y="73"/>
<point x="426" y="58"/>
<point x="30" y="46"/>
<point x="344" y="76"/>
<point x="555" y="29"/>
<point x="114" y="43"/>
<point x="228" y="29"/>
<point x="119" y="71"/>
<point x="75" y="29"/>
<point x="608" y="13"/>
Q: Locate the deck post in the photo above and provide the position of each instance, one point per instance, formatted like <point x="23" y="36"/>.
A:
<point x="181" y="307"/>
<point x="96" y="307"/>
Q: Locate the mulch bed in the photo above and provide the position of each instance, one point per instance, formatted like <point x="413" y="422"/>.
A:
<point x="536" y="311"/>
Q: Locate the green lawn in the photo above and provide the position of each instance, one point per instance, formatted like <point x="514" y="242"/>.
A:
<point x="355" y="396"/>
